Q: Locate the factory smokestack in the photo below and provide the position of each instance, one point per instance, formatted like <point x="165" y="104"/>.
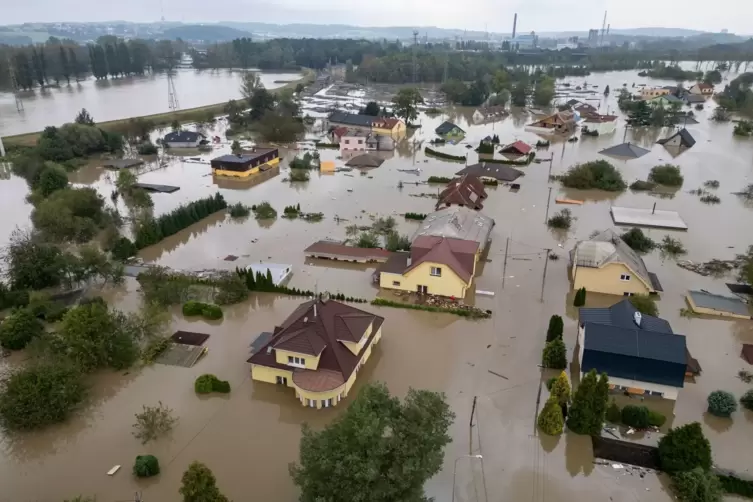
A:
<point x="514" y="25"/>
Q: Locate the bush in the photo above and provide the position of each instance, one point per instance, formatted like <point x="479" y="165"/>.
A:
<point x="550" y="419"/>
<point x="39" y="395"/>
<point x="153" y="421"/>
<point x="147" y="149"/>
<point x="299" y="175"/>
<point x="580" y="297"/>
<point x="19" y="328"/>
<point x="734" y="485"/>
<point x="123" y="249"/>
<point x="438" y="179"/>
<point x="697" y="486"/>
<point x="656" y="419"/>
<point x="644" y="304"/>
<point x="239" y="210"/>
<point x="560" y="389"/>
<point x="206" y="310"/>
<point x="146" y="466"/>
<point x="563" y="219"/>
<point x="684" y="448"/>
<point x="747" y="400"/>
<point x="208" y="383"/>
<point x="710" y="198"/>
<point x="415" y="216"/>
<point x="614" y="414"/>
<point x="672" y="246"/>
<point x="442" y="155"/>
<point x="722" y="403"/>
<point x="635" y="416"/>
<point x="550" y="383"/>
<point x="463" y="312"/>
<point x="638" y="241"/>
<point x="555" y="355"/>
<point x="642" y="186"/>
<point x="556" y="328"/>
<point x="192" y="308"/>
<point x="264" y="211"/>
<point x="598" y="174"/>
<point x="666" y="174"/>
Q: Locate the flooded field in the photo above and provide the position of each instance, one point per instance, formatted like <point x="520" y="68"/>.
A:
<point x="123" y="98"/>
<point x="249" y="437"/>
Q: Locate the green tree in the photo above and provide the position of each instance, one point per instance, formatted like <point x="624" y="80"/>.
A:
<point x="697" y="485"/>
<point x="747" y="400"/>
<point x="722" y="403"/>
<point x="52" y="178"/>
<point x="236" y="147"/>
<point x="39" y="395"/>
<point x="454" y="90"/>
<point x="550" y="419"/>
<point x="519" y="93"/>
<point x="33" y="264"/>
<point x="199" y="485"/>
<point x="745" y="273"/>
<point x="684" y="449"/>
<point x="146" y="466"/>
<point x="713" y="77"/>
<point x="614" y="414"/>
<point x="556" y="328"/>
<point x="84" y="118"/>
<point x="588" y="411"/>
<point x="561" y="389"/>
<point x="19" y="328"/>
<point x="544" y="92"/>
<point x="644" y="304"/>
<point x="580" y="297"/>
<point x="606" y="91"/>
<point x="635" y="416"/>
<point x="367" y="240"/>
<point x="390" y="448"/>
<point x="555" y="354"/>
<point x="405" y="104"/>
<point x="372" y="108"/>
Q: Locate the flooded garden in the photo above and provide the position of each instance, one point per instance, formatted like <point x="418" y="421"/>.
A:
<point x="249" y="437"/>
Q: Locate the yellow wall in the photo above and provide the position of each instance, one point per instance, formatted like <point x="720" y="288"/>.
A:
<point x="449" y="284"/>
<point x="607" y="280"/>
<point x="244" y="174"/>
<point x="281" y="356"/>
<point x="721" y="313"/>
<point x="269" y="375"/>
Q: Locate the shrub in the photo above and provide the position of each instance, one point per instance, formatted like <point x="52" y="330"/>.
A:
<point x="153" y="422"/>
<point x="555" y="355"/>
<point x="734" y="485"/>
<point x="550" y="383"/>
<point x="39" y="395"/>
<point x="684" y="448"/>
<point x="192" y="308"/>
<point x="556" y="328"/>
<point x="580" y="297"/>
<point x="211" y="312"/>
<point x="710" y="198"/>
<point x="641" y="186"/>
<point x="666" y="174"/>
<point x="644" y="304"/>
<point x="638" y="241"/>
<point x="550" y="419"/>
<point x="563" y="219"/>
<point x="614" y="414"/>
<point x="264" y="211"/>
<point x="722" y="403"/>
<point x="711" y="184"/>
<point x="147" y="149"/>
<point x="697" y="486"/>
<point x="656" y="419"/>
<point x="747" y="400"/>
<point x="463" y="312"/>
<point x="415" y="216"/>
<point x="438" y="179"/>
<point x="19" y="328"/>
<point x="239" y="210"/>
<point x="299" y="175"/>
<point x="635" y="416"/>
<point x="598" y="174"/>
<point x="560" y="389"/>
<point x="146" y="466"/>
<point x="123" y="249"/>
<point x="209" y="383"/>
<point x="442" y="155"/>
<point x="672" y="246"/>
<point x="485" y="148"/>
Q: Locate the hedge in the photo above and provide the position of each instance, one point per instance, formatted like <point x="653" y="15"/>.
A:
<point x="208" y="383"/>
<point x="438" y="179"/>
<point x="154" y="230"/>
<point x="442" y="155"/>
<point x="207" y="310"/>
<point x="736" y="486"/>
<point x="265" y="283"/>
<point x="474" y="314"/>
<point x="415" y="216"/>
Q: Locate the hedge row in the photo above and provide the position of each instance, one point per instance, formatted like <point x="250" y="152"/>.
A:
<point x="736" y="486"/>
<point x="442" y="155"/>
<point x="207" y="310"/>
<point x="265" y="283"/>
<point x="474" y="314"/>
<point x="415" y="216"/>
<point x="154" y="230"/>
<point x="438" y="179"/>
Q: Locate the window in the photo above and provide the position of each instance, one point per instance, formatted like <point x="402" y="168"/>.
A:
<point x="296" y="361"/>
<point x="395" y="283"/>
<point x="326" y="403"/>
<point x="627" y="293"/>
<point x="281" y="380"/>
<point x="624" y="277"/>
<point x="360" y="142"/>
<point x="347" y="141"/>
<point x="436" y="271"/>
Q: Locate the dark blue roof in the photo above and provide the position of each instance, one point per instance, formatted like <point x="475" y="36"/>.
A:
<point x="182" y="137"/>
<point x="621" y="315"/>
<point x="635" y="354"/>
<point x="446" y="127"/>
<point x="351" y="119"/>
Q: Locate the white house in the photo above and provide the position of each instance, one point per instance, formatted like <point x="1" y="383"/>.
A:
<point x="353" y="140"/>
<point x="603" y="124"/>
<point x="183" y="139"/>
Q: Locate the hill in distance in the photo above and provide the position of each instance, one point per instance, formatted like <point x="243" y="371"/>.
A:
<point x="204" y="32"/>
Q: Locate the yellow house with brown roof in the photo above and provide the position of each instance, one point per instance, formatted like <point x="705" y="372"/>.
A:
<point x="318" y="351"/>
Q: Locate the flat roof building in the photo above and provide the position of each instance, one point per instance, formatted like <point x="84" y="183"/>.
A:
<point x="246" y="163"/>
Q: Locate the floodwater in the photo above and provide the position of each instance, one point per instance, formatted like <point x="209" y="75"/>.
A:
<point x="123" y="97"/>
<point x="249" y="437"/>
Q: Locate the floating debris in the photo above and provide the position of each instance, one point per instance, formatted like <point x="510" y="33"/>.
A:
<point x="713" y="267"/>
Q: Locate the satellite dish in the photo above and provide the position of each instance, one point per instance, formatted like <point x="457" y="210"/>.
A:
<point x="637" y="318"/>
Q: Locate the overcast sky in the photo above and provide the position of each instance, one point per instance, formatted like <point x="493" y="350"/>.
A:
<point x="496" y="15"/>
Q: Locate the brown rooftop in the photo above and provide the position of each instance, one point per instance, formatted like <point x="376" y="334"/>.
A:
<point x="319" y="327"/>
<point x="467" y="191"/>
<point x="458" y="254"/>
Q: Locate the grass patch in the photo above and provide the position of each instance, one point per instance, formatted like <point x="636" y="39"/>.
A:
<point x="563" y="220"/>
<point x="463" y="312"/>
<point x="598" y="174"/>
<point x="442" y="155"/>
<point x="667" y="175"/>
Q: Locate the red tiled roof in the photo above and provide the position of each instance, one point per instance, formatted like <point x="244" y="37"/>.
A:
<point x="458" y="254"/>
<point x="601" y="118"/>
<point x="336" y="248"/>
<point x="330" y="322"/>
<point x="465" y="191"/>
<point x="339" y="131"/>
<point x="704" y="86"/>
<point x="517" y="147"/>
<point x="386" y="123"/>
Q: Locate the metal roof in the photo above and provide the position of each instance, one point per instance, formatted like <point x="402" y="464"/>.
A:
<point x="686" y="139"/>
<point x="458" y="222"/>
<point x="635" y="354"/>
<point x="625" y="151"/>
<point x="707" y="300"/>
<point x="499" y="172"/>
<point x="622" y="315"/>
<point x="183" y="137"/>
<point x="608" y="247"/>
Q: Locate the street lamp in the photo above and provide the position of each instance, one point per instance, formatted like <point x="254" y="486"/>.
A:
<point x="455" y="470"/>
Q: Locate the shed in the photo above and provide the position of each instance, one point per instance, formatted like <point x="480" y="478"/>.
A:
<point x="516" y="148"/>
<point x="447" y="127"/>
<point x="680" y="139"/>
<point x="704" y="302"/>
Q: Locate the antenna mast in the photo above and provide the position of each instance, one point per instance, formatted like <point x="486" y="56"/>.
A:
<point x="603" y="28"/>
<point x="14" y="86"/>
<point x="415" y="60"/>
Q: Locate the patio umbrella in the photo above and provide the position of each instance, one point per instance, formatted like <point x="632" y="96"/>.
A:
<point x="625" y="151"/>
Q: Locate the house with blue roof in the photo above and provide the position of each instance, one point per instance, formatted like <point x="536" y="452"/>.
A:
<point x="640" y="353"/>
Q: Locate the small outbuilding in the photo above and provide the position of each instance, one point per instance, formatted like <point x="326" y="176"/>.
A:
<point x="183" y="139"/>
<point x="516" y="148"/>
<point x="245" y="164"/>
<point x="680" y="139"/>
<point x="449" y="129"/>
<point x="704" y="302"/>
<point x="491" y="171"/>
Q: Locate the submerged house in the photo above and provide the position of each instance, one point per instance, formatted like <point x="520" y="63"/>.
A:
<point x="489" y="114"/>
<point x="560" y="122"/>
<point x="318" y="351"/>
<point x="666" y="101"/>
<point x="382" y="125"/>
<point x="488" y="171"/>
<point x="516" y="148"/>
<point x="466" y="191"/>
<point x="680" y="139"/>
<point x="353" y="140"/>
<point x="648" y="93"/>
<point x="602" y="124"/>
<point x="449" y="130"/>
<point x="702" y="89"/>
<point x="183" y="139"/>
<point x="245" y="164"/>
<point x="640" y="353"/>
<point x="443" y="257"/>
<point x="606" y="264"/>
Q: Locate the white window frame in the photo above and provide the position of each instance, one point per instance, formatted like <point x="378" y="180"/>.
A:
<point x="436" y="271"/>
<point x="625" y="277"/>
<point x="395" y="283"/>
<point x="298" y="362"/>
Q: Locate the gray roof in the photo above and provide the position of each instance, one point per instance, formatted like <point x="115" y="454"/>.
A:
<point x="499" y="172"/>
<point x="351" y="119"/>
<point x="446" y="127"/>
<point x="695" y="98"/>
<point x="671" y="98"/>
<point x="686" y="139"/>
<point x="608" y="247"/>
<point x="458" y="222"/>
<point x="365" y="160"/>
<point x="183" y="137"/>
<point x="625" y="150"/>
<point x="704" y="299"/>
<point x="622" y="315"/>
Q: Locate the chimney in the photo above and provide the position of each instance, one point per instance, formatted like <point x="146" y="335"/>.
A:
<point x="637" y="317"/>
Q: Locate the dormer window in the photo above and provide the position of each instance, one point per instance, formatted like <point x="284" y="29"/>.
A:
<point x="297" y="361"/>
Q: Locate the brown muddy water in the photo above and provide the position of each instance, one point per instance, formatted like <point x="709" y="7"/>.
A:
<point x="249" y="437"/>
<point x="122" y="98"/>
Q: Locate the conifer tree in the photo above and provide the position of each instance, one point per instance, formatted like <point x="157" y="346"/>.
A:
<point x="561" y="389"/>
<point x="580" y="416"/>
<point x="550" y="419"/>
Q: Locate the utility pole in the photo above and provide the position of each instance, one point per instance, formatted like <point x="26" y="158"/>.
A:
<point x="14" y="86"/>
<point x="470" y="427"/>
<point x="548" y="201"/>
<point x="415" y="60"/>
<point x="172" y="96"/>
<point x="504" y="267"/>
<point x="543" y="279"/>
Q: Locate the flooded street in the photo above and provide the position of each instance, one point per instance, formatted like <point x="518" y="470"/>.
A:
<point x="121" y="98"/>
<point x="249" y="436"/>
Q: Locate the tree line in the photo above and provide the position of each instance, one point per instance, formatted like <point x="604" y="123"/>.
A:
<point x="64" y="61"/>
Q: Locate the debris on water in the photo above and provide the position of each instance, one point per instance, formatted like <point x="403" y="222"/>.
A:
<point x="497" y="374"/>
<point x="630" y="431"/>
<point x="711" y="267"/>
<point x="618" y="466"/>
<point x="113" y="470"/>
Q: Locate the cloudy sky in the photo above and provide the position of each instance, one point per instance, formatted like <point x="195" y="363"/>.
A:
<point x="496" y="15"/>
